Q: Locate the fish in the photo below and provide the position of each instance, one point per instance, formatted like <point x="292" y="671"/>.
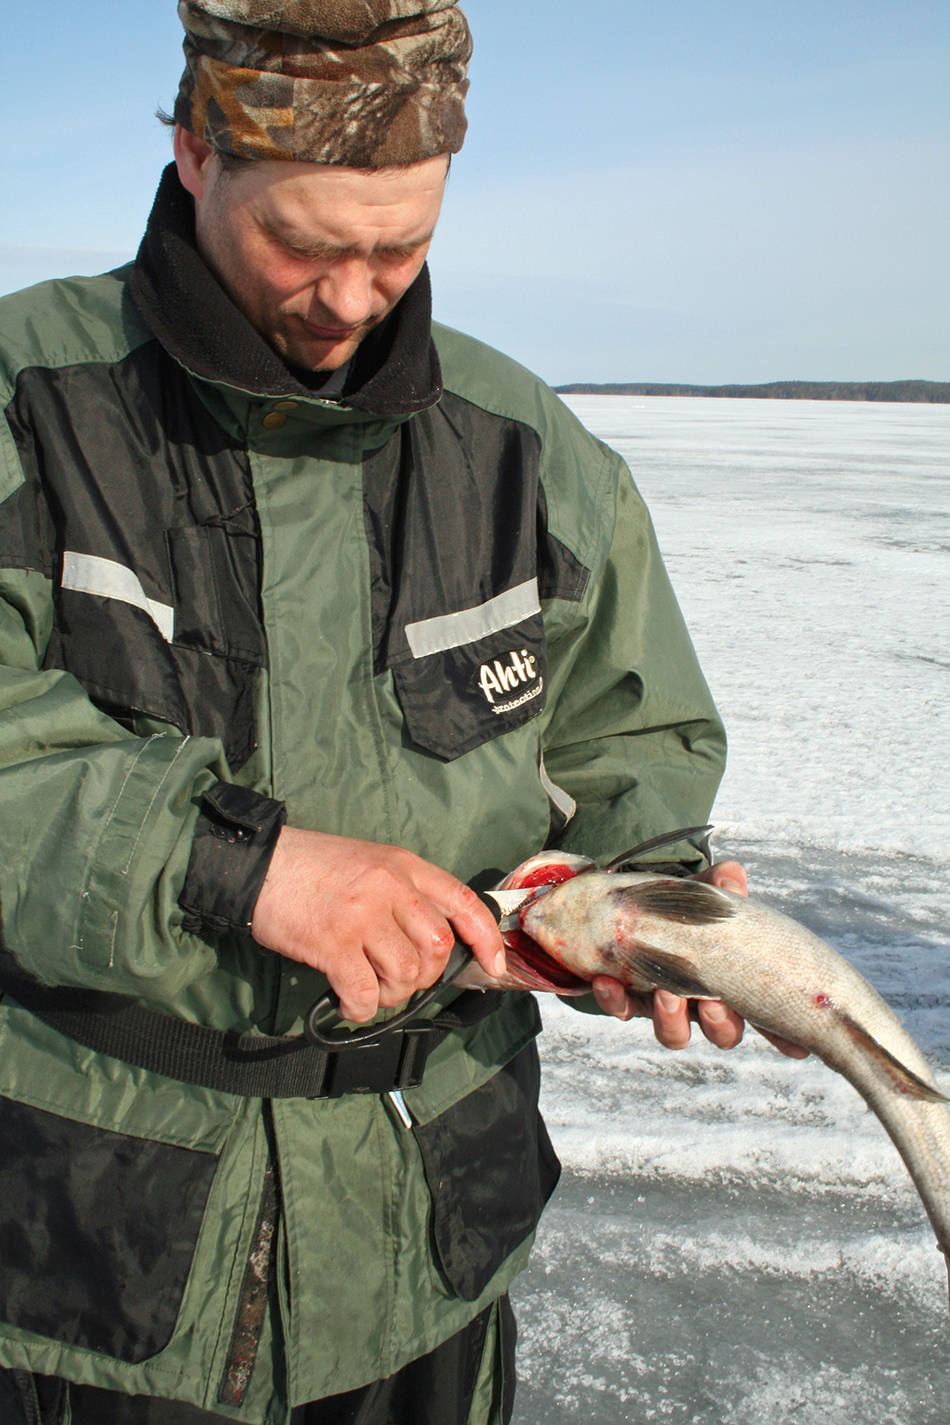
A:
<point x="658" y="931"/>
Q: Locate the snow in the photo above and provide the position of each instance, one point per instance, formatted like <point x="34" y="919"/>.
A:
<point x="735" y="1238"/>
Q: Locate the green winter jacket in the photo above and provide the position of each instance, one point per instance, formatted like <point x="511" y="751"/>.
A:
<point x="432" y="615"/>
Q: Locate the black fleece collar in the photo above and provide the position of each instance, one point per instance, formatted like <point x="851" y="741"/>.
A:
<point x="395" y="370"/>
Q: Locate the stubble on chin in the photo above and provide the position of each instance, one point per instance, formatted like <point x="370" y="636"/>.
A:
<point x="312" y="354"/>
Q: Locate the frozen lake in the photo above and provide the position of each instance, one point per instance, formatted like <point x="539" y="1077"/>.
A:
<point x="735" y="1240"/>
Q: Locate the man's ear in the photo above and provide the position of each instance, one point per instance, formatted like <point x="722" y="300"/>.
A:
<point x="193" y="159"/>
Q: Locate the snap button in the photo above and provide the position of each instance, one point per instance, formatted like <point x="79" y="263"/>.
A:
<point x="273" y="420"/>
<point x="285" y="406"/>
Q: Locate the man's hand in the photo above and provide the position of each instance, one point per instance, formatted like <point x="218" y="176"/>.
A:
<point x="377" y="920"/>
<point x="670" y="1014"/>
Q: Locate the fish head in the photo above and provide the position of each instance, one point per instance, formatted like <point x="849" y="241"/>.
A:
<point x="548" y="868"/>
<point x="529" y="968"/>
<point x="638" y="927"/>
<point x="582" y="924"/>
<point x="579" y="922"/>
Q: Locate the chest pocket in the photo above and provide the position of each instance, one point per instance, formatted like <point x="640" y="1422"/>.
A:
<point x="460" y="690"/>
<point x="452" y="517"/>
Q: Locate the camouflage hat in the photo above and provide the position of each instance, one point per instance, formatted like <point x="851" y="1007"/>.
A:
<point x="366" y="83"/>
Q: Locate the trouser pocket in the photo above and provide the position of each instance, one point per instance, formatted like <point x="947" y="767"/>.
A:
<point x="97" y="1231"/>
<point x="490" y="1169"/>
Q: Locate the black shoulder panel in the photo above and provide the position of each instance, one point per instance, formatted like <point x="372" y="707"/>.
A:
<point x="460" y="555"/>
<point x="131" y="486"/>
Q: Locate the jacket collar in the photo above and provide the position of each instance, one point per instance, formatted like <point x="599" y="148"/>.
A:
<point x="395" y="371"/>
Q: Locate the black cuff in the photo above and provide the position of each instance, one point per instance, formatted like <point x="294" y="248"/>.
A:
<point x="232" y="848"/>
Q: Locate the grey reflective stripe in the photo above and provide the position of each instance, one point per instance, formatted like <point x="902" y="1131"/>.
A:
<point x="436" y="635"/>
<point x="564" y="803"/>
<point x="88" y="574"/>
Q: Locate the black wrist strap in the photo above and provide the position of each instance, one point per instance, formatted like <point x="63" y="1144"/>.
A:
<point x="231" y="850"/>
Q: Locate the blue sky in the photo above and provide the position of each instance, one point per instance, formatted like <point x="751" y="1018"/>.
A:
<point x="688" y="192"/>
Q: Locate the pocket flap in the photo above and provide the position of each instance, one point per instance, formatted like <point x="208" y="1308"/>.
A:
<point x="455" y="699"/>
<point x="97" y="1231"/>
<point x="490" y="1168"/>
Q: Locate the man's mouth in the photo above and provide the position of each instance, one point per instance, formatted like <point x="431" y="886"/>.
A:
<point x="331" y="333"/>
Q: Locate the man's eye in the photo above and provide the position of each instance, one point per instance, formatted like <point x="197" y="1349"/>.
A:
<point x="393" y="256"/>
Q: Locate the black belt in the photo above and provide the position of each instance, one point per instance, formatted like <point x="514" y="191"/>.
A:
<point x="379" y="1059"/>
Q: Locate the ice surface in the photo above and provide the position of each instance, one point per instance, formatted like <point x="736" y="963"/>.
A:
<point x="735" y="1239"/>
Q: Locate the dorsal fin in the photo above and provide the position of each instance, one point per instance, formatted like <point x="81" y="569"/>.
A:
<point x="906" y="1080"/>
<point x="687" y="902"/>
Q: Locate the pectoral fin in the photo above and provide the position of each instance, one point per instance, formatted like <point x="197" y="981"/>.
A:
<point x="905" y="1080"/>
<point x="658" y="970"/>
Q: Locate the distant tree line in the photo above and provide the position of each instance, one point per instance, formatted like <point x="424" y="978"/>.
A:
<point x="933" y="392"/>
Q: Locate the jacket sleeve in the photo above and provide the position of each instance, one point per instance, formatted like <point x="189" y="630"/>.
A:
<point x="631" y="731"/>
<point x="96" y="823"/>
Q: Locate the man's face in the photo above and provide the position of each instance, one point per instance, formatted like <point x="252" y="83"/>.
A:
<point x="314" y="255"/>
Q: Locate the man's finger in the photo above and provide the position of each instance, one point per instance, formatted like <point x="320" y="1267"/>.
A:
<point x="784" y="1046"/>
<point x="398" y="966"/>
<point x="357" y="989"/>
<point x="612" y="998"/>
<point x="670" y="1019"/>
<point x="728" y="876"/>
<point x="720" y="1024"/>
<point x="431" y="937"/>
<point x="475" y="926"/>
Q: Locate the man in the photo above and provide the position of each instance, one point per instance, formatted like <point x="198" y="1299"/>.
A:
<point x="312" y="613"/>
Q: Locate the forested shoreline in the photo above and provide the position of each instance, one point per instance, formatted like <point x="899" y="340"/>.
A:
<point x="932" y="392"/>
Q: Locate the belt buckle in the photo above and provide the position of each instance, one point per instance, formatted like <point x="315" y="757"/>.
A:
<point x="396" y="1060"/>
<point x="371" y="1069"/>
<point x="416" y="1045"/>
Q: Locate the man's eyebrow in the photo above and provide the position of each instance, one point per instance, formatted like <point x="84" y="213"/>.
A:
<point x="327" y="251"/>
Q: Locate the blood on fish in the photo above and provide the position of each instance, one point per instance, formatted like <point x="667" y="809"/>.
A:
<point x="544" y="876"/>
<point x="524" y="948"/>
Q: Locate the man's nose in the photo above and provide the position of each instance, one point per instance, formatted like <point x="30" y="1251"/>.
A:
<point x="345" y="292"/>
